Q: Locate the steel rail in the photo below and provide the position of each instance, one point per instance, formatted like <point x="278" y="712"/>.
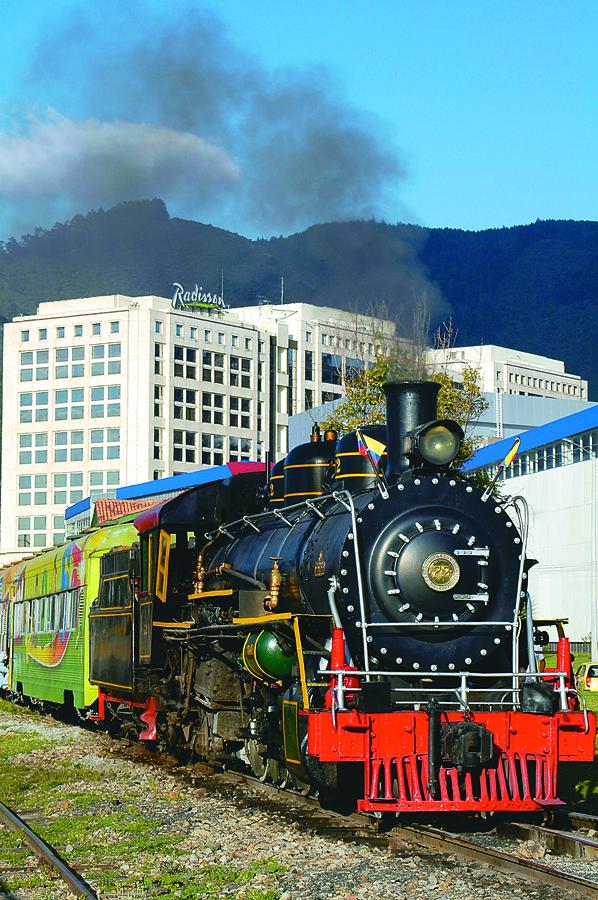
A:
<point x="432" y="839"/>
<point x="365" y="827"/>
<point x="569" y="843"/>
<point x="528" y="869"/>
<point x="46" y="853"/>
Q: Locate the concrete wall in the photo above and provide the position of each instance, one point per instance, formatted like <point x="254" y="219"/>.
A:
<point x="564" y="538"/>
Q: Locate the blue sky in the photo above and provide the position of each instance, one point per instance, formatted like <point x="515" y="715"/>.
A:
<point x="279" y="114"/>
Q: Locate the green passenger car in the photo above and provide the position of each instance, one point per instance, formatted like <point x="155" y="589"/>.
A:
<point x="49" y="597"/>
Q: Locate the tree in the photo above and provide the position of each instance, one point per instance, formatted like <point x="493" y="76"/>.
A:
<point x="364" y="402"/>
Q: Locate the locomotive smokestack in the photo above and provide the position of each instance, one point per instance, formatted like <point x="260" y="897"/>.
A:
<point x="408" y="405"/>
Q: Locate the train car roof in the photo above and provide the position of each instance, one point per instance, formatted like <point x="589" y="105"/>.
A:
<point x="65" y="557"/>
<point x="206" y="506"/>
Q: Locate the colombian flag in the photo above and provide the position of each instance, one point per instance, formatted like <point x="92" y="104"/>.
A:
<point x="370" y="447"/>
<point x="511" y="454"/>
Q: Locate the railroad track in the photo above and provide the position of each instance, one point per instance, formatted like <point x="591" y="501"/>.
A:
<point x="395" y="835"/>
<point x="367" y="829"/>
<point x="46" y="854"/>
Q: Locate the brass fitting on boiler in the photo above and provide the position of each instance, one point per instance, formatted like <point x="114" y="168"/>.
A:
<point x="271" y="602"/>
<point x="200" y="573"/>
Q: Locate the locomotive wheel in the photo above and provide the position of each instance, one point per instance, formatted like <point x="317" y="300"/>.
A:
<point x="277" y="774"/>
<point x="256" y="759"/>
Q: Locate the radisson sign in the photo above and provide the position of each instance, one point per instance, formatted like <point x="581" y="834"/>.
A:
<point x="195" y="299"/>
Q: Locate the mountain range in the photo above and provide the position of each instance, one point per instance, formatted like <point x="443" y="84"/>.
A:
<point x="530" y="287"/>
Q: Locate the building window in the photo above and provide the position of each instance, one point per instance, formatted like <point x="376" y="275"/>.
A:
<point x="240" y="369"/>
<point x="234" y="340"/>
<point x="213" y="367"/>
<point x="114" y="327"/>
<point x="158" y="359"/>
<point x="184" y="446"/>
<point x="309" y="398"/>
<point x="60" y="332"/>
<point x="248" y="343"/>
<point x="240" y="412"/>
<point x="62" y="356"/>
<point x="239" y="449"/>
<point x="99" y="352"/>
<point x="25" y="451"/>
<point x="104" y="443"/>
<point x="178" y="330"/>
<point x="185" y="362"/>
<point x="309" y="365"/>
<point x="58" y="532"/>
<point x="158" y="443"/>
<point x="102" y="481"/>
<point x="207" y="336"/>
<point x="65" y="408"/>
<point x="41" y="365"/>
<point x="158" y="327"/>
<point x="40" y="451"/>
<point x="96" y="328"/>
<point x="185" y="402"/>
<point x="43" y="334"/>
<point x="158" y="400"/>
<point x="102" y="401"/>
<point x="31" y="531"/>
<point x="331" y="369"/>
<point x="212" y="449"/>
<point x="212" y="408"/>
<point x="78" y="330"/>
<point x="60" y="484"/>
<point x="33" y="405"/>
<point x="221" y="338"/>
<point x="25" y="336"/>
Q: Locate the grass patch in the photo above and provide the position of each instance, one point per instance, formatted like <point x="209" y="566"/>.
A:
<point x="211" y="880"/>
<point x="13" y="743"/>
<point x="13" y="710"/>
<point x="24" y="786"/>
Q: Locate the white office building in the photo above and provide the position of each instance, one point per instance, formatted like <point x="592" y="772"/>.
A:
<point x="511" y="371"/>
<point x="103" y="392"/>
<point x="323" y="345"/>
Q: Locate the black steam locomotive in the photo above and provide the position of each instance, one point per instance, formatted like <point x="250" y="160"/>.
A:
<point x="367" y="632"/>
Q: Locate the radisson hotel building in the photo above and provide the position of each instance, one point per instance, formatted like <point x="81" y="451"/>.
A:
<point x="108" y="391"/>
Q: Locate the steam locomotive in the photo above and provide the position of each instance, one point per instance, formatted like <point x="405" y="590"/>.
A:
<point x="365" y="629"/>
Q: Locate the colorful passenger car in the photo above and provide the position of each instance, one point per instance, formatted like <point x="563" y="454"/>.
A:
<point x="45" y="602"/>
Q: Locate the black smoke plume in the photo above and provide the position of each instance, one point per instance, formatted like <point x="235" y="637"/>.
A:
<point x="278" y="150"/>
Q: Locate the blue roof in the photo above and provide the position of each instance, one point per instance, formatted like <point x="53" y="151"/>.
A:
<point x="174" y="483"/>
<point x="76" y="508"/>
<point x="168" y="485"/>
<point x="577" y="423"/>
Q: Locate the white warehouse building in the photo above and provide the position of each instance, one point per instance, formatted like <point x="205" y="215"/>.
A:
<point x="556" y="470"/>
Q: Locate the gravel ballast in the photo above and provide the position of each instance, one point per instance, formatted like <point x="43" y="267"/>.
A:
<point x="141" y="828"/>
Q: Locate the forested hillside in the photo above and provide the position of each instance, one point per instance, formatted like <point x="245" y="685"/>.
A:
<point x="532" y="287"/>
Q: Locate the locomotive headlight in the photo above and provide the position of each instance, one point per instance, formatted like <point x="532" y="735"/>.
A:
<point x="435" y="443"/>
